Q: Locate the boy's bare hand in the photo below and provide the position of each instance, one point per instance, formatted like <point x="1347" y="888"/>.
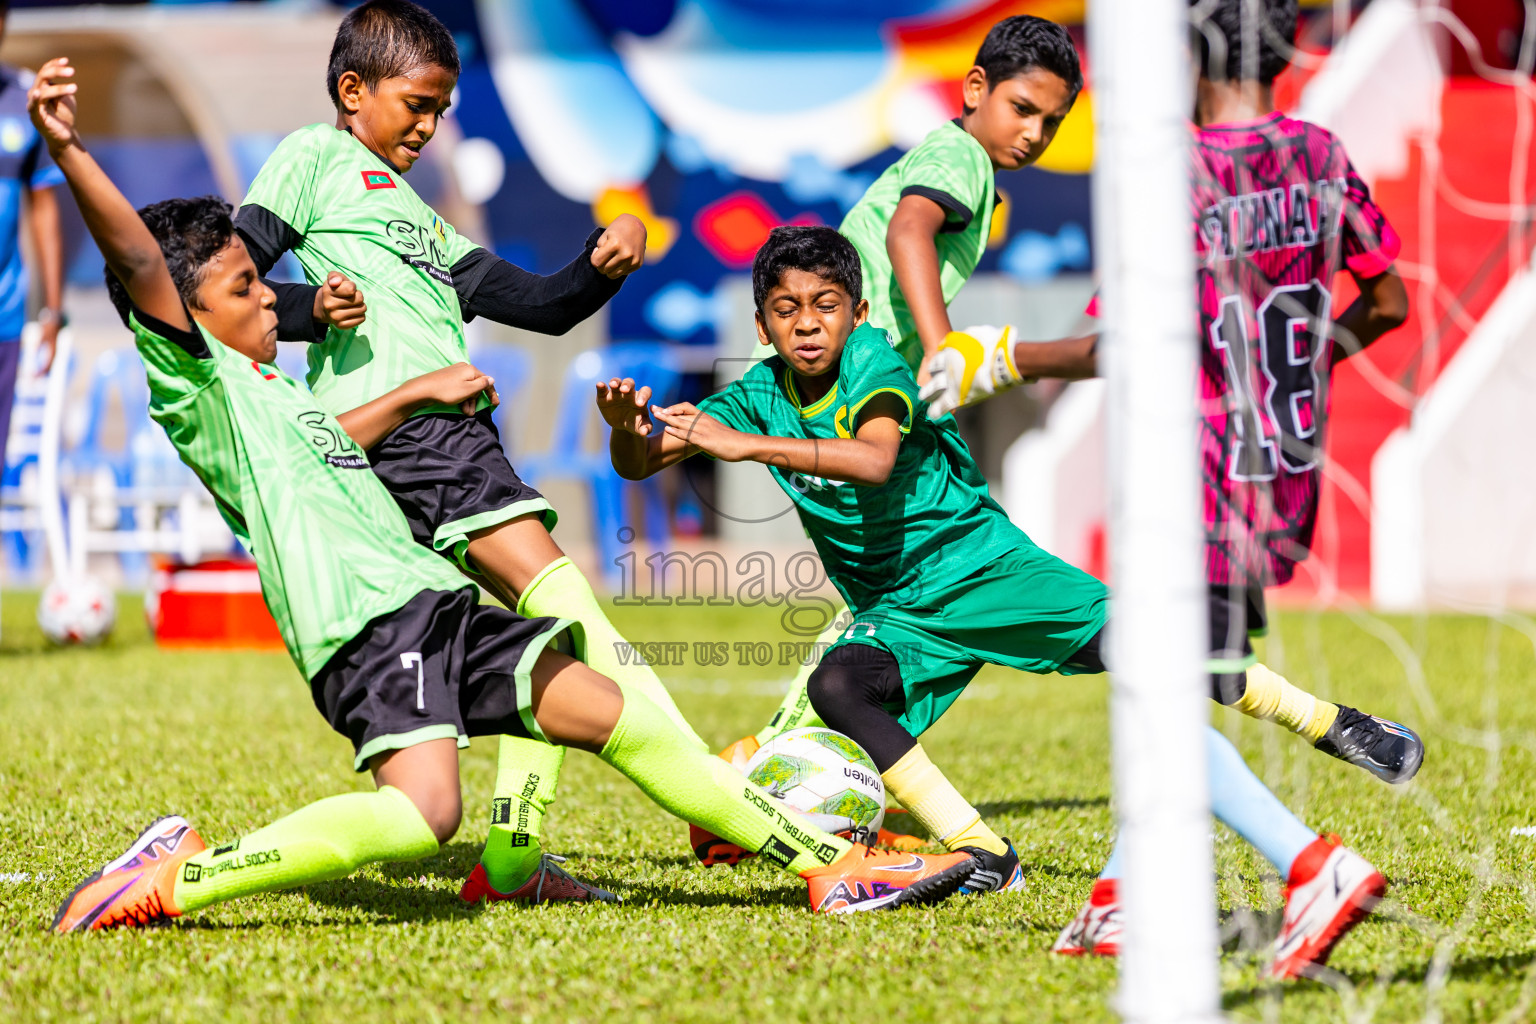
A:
<point x="703" y="431"/>
<point x="339" y="302"/>
<point x="460" y="385"/>
<point x="620" y="249"/>
<point x="51" y="102"/>
<point x="625" y="407"/>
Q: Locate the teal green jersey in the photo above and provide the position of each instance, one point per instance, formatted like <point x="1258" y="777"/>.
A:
<point x="338" y="206"/>
<point x="952" y="169"/>
<point x="931" y="523"/>
<point x="332" y="547"/>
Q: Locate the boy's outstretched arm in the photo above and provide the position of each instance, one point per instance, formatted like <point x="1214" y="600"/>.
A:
<point x="1381" y="307"/>
<point x="130" y="251"/>
<point x="635" y="446"/>
<point x="909" y="240"/>
<point x="867" y="458"/>
<point x="460" y="384"/>
<point x="491" y="287"/>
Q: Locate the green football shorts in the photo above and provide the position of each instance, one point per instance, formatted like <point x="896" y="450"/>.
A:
<point x="1027" y="610"/>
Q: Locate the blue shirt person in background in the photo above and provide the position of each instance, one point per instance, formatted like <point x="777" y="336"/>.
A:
<point x="26" y="171"/>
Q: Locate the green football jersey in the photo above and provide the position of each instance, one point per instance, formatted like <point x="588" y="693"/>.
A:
<point x="931" y="523"/>
<point x="332" y="547"/>
<point x="350" y="211"/>
<point x="951" y="168"/>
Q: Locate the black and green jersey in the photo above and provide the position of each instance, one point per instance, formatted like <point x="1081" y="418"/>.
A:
<point x="331" y="545"/>
<point x="951" y="168"/>
<point x="339" y="207"/>
<point x="931" y="523"/>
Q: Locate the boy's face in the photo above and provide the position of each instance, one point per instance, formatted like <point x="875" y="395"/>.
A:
<point x="399" y="117"/>
<point x="1015" y="120"/>
<point x="807" y="320"/>
<point x="235" y="306"/>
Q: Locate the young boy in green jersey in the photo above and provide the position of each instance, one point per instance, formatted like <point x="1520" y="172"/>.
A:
<point x="938" y="580"/>
<point x="400" y="657"/>
<point x="337" y="195"/>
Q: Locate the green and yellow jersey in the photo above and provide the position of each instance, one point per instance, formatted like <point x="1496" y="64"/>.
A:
<point x="931" y="523"/>
<point x="951" y="168"/>
<point x="332" y="547"/>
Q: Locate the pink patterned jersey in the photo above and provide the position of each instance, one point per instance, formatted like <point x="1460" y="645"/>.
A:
<point x="1277" y="210"/>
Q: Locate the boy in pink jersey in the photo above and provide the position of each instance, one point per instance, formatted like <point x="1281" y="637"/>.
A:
<point x="1276" y="211"/>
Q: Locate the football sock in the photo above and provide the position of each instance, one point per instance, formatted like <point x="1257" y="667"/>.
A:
<point x="330" y="838"/>
<point x="937" y="806"/>
<point x="795" y="711"/>
<point x="527" y="773"/>
<point x="561" y="591"/>
<point x="1247" y="807"/>
<point x="1270" y="697"/>
<point x="702" y="789"/>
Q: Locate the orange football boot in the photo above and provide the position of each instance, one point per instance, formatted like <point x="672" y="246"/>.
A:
<point x="137" y="888"/>
<point x="549" y="883"/>
<point x="865" y="879"/>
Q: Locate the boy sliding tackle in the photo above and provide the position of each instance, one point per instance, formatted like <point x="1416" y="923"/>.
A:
<point x="938" y="580"/>
<point x="400" y="657"/>
<point x="337" y="196"/>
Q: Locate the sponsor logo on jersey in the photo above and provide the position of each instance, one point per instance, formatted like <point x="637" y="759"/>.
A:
<point x="377" y="179"/>
<point x="13" y="135"/>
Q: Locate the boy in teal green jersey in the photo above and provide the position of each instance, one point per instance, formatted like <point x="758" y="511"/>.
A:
<point x="400" y="657"/>
<point x="922" y="227"/>
<point x="937" y="579"/>
<point x="337" y="196"/>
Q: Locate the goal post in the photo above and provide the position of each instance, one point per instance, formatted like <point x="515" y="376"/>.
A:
<point x="1157" y="651"/>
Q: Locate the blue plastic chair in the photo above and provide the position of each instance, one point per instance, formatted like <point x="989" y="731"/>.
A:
<point x="510" y="367"/>
<point x="20" y="551"/>
<point x="650" y="363"/>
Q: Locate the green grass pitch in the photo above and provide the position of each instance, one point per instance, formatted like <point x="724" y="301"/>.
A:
<point x="95" y="743"/>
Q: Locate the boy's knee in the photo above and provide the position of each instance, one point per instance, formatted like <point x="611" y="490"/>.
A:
<point x="443" y="815"/>
<point x="830" y="688"/>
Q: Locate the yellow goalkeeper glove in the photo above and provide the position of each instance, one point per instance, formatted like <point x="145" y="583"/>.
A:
<point x="971" y="366"/>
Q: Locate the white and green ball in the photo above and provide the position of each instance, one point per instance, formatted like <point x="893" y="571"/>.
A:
<point x="822" y="773"/>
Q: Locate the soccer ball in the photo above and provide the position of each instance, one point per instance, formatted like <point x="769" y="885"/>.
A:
<point x="76" y="610"/>
<point x="826" y="776"/>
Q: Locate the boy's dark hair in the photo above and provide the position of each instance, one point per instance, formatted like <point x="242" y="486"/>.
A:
<point x="814" y="249"/>
<point x="190" y="232"/>
<point x="386" y="39"/>
<point x="1219" y="27"/>
<point x="1024" y="42"/>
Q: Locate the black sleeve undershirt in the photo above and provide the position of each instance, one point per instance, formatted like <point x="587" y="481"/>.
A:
<point x="267" y="236"/>
<point x="191" y="342"/>
<point x="491" y="287"/>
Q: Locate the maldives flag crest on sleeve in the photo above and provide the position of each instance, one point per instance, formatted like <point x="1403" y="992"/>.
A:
<point x="377" y="179"/>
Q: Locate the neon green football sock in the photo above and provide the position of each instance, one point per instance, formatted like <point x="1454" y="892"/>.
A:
<point x="330" y="838"/>
<point x="648" y="748"/>
<point x="795" y="711"/>
<point x="561" y="591"/>
<point x="527" y="773"/>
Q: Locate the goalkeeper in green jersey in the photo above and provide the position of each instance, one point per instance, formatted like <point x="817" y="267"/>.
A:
<point x="338" y="196"/>
<point x="400" y="657"/>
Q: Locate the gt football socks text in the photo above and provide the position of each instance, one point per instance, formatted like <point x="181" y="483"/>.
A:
<point x="937" y="805"/>
<point x="702" y="789"/>
<point x="330" y="838"/>
<point x="1270" y="697"/>
<point x="1246" y="806"/>
<point x="527" y="773"/>
<point x="561" y="591"/>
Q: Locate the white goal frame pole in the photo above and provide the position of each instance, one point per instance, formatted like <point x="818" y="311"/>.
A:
<point x="1157" y="635"/>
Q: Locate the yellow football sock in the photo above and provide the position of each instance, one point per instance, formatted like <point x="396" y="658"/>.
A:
<point x="1271" y="698"/>
<point x="937" y="805"/>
